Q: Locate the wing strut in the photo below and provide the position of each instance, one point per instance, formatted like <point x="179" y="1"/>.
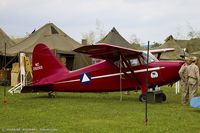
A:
<point x="122" y="63"/>
<point x="133" y="76"/>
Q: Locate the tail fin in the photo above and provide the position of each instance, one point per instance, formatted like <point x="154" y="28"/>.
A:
<point x="46" y="67"/>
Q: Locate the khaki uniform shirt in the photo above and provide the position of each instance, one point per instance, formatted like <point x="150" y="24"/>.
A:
<point x="193" y="74"/>
<point x="183" y="72"/>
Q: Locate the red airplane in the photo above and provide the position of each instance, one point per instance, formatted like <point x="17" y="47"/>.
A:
<point x="121" y="69"/>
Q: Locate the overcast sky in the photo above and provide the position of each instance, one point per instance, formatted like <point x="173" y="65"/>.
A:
<point x="152" y="20"/>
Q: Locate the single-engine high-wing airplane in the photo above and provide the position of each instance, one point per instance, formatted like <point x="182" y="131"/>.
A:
<point x="120" y="69"/>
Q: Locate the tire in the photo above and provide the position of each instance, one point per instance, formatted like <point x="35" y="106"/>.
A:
<point x="164" y="98"/>
<point x="142" y="98"/>
<point x="51" y="94"/>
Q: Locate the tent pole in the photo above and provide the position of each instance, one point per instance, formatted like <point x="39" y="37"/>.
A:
<point x="5" y="79"/>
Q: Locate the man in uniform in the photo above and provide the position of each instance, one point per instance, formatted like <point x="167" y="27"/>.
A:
<point x="193" y="77"/>
<point x="183" y="73"/>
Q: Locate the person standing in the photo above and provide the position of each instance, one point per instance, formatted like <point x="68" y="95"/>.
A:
<point x="183" y="73"/>
<point x="193" y="77"/>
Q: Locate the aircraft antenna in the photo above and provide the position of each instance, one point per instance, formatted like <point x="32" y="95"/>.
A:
<point x="147" y="84"/>
<point x="120" y="80"/>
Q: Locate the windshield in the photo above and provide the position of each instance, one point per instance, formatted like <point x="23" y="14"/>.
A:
<point x="137" y="60"/>
<point x="151" y="57"/>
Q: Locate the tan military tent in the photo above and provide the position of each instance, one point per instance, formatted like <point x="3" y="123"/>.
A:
<point x="5" y="43"/>
<point x="170" y="42"/>
<point x="113" y="37"/>
<point x="56" y="40"/>
<point x="50" y="35"/>
<point x="4" y="39"/>
<point x="182" y="43"/>
<point x="193" y="45"/>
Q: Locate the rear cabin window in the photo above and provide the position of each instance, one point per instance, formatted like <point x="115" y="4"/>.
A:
<point x="131" y="62"/>
<point x="134" y="61"/>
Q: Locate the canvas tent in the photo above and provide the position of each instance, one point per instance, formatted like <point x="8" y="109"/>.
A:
<point x="197" y="54"/>
<point x="50" y="35"/>
<point x="170" y="42"/>
<point x="193" y="45"/>
<point x="59" y="42"/>
<point x="182" y="43"/>
<point x="4" y="39"/>
<point x="113" y="37"/>
<point x="5" y="43"/>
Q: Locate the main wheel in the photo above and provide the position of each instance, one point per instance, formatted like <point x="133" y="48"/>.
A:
<point x="142" y="98"/>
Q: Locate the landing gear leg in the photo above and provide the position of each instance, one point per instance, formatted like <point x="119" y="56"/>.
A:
<point x="52" y="94"/>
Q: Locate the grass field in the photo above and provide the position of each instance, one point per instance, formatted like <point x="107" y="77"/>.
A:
<point x="96" y="113"/>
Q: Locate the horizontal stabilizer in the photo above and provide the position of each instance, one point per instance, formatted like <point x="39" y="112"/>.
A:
<point x="160" y="51"/>
<point x="164" y="50"/>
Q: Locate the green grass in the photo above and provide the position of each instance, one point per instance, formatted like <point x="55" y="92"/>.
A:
<point x="95" y="113"/>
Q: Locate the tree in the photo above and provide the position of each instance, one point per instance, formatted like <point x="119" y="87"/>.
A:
<point x="193" y="33"/>
<point x="94" y="36"/>
<point x="155" y="45"/>
<point x="90" y="37"/>
<point x="187" y="32"/>
<point x="134" y="39"/>
<point x="100" y="32"/>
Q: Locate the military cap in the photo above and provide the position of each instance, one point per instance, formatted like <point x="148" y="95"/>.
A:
<point x="193" y="58"/>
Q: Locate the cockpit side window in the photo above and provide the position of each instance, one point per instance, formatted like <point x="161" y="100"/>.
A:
<point x="151" y="58"/>
<point x="131" y="62"/>
<point x="134" y="61"/>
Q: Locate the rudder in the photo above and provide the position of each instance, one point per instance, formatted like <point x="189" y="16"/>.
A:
<point x="46" y="67"/>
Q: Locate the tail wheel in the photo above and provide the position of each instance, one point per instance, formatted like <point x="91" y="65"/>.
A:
<point x="142" y="98"/>
<point x="164" y="98"/>
<point x="52" y="94"/>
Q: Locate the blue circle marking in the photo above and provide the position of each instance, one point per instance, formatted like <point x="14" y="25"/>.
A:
<point x="85" y="78"/>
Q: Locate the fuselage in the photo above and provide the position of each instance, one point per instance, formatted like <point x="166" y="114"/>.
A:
<point x="104" y="76"/>
<point x="125" y="71"/>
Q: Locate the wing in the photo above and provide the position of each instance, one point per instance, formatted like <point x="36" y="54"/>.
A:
<point x="107" y="51"/>
<point x="112" y="53"/>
